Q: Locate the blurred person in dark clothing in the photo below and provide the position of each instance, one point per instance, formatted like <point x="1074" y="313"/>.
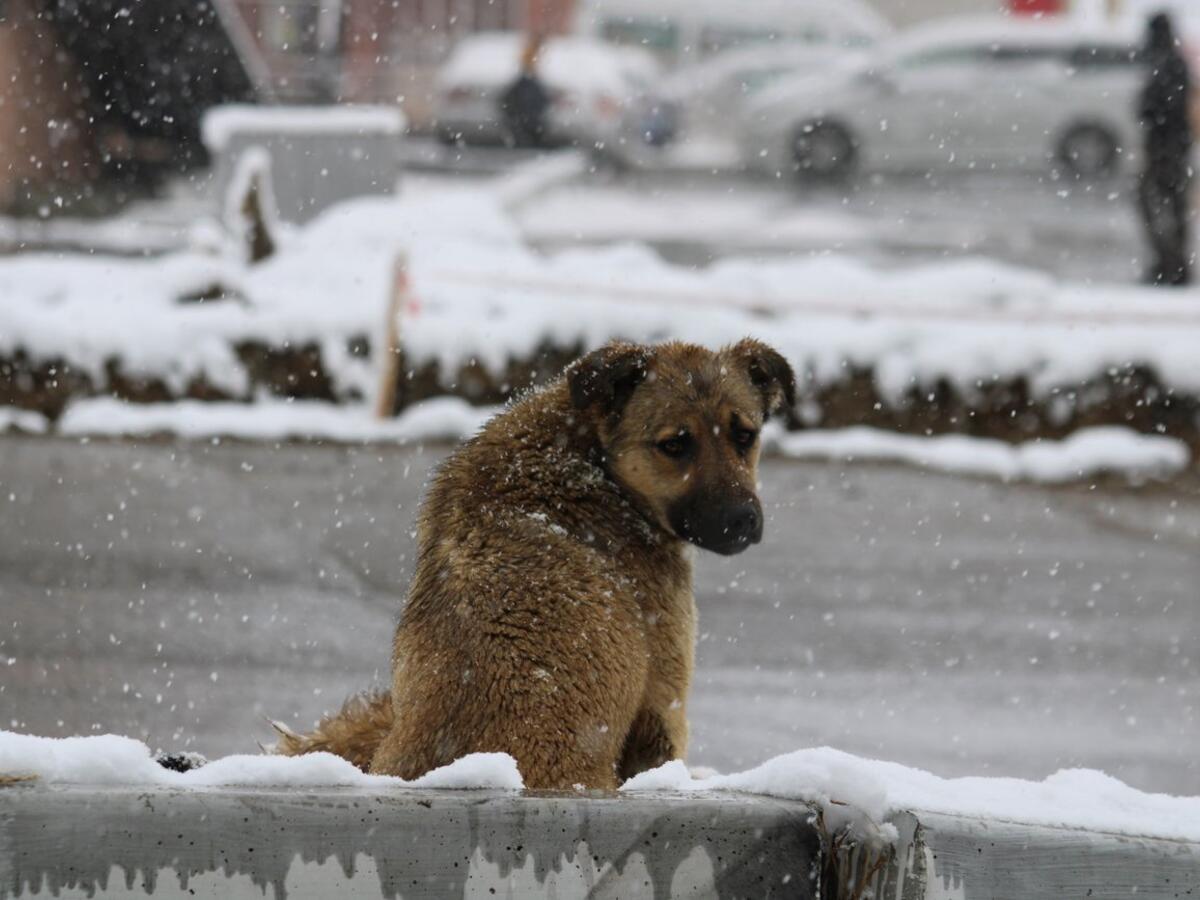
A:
<point x="527" y="101"/>
<point x="1166" y="178"/>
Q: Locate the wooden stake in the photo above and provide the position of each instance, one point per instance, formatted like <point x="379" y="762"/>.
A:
<point x="389" y="368"/>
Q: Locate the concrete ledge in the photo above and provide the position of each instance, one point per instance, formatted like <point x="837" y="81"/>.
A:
<point x="296" y="843"/>
<point x="944" y="857"/>
<point x="76" y="842"/>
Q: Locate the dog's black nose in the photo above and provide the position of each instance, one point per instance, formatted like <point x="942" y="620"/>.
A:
<point x="718" y="524"/>
<point x="744" y="523"/>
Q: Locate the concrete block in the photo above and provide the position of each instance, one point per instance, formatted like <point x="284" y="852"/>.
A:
<point x="232" y="843"/>
<point x="64" y="841"/>
<point x="319" y="156"/>
<point x="944" y="857"/>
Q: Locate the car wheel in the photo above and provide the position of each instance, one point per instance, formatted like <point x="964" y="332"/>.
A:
<point x="823" y="150"/>
<point x="1088" y="151"/>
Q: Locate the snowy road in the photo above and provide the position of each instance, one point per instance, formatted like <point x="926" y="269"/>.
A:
<point x="177" y="592"/>
<point x="1081" y="231"/>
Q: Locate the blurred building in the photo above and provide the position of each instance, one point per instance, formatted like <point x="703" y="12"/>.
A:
<point x="912" y="12"/>
<point x="93" y="91"/>
<point x="104" y="92"/>
<point x="43" y="137"/>
<point x="378" y="50"/>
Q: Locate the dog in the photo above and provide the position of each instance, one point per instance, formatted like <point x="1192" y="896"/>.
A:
<point x="551" y="613"/>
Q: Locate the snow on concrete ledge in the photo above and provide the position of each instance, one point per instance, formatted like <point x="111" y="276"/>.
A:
<point x="827" y="778"/>
<point x="1070" y="798"/>
<point x="223" y="122"/>
<point x="112" y="759"/>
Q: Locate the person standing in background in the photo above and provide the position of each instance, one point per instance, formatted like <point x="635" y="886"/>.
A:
<point x="526" y="102"/>
<point x="1166" y="178"/>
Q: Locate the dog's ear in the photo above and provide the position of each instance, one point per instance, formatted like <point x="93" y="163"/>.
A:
<point x="769" y="372"/>
<point x="605" y="379"/>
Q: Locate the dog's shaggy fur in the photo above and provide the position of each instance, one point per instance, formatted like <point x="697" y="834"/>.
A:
<point x="551" y="613"/>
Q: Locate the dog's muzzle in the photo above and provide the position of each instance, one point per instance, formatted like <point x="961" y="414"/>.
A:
<point x="726" y="527"/>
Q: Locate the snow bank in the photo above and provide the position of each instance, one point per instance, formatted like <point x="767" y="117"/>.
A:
<point x="1088" y="452"/>
<point x="1071" y="798"/>
<point x="223" y="122"/>
<point x="111" y="759"/>
<point x="330" y="284"/>
<point x="1083" y="454"/>
<point x="480" y="294"/>
<point x="12" y="419"/>
<point x="443" y="418"/>
<point x="969" y="322"/>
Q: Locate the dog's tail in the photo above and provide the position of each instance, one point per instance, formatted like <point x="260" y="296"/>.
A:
<point x="354" y="732"/>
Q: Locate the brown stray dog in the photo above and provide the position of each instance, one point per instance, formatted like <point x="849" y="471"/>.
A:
<point x="551" y="613"/>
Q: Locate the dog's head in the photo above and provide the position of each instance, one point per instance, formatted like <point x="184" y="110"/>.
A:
<point x="679" y="429"/>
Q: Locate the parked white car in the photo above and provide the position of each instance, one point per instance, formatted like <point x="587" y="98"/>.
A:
<point x="981" y="95"/>
<point x="714" y="92"/>
<point x="600" y="93"/>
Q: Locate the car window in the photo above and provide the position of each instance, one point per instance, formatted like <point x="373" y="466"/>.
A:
<point x="942" y="56"/>
<point x="1025" y="53"/>
<point x="715" y="38"/>
<point x="755" y="79"/>
<point x="654" y="34"/>
<point x="1105" y="56"/>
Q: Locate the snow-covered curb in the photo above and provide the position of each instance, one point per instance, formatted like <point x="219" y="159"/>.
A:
<point x="1086" y="453"/>
<point x="440" y="419"/>
<point x="12" y="419"/>
<point x="845" y="786"/>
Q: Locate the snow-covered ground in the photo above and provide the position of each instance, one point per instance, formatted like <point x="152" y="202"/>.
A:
<point x="710" y="216"/>
<point x="1085" y="232"/>
<point x="1075" y="798"/>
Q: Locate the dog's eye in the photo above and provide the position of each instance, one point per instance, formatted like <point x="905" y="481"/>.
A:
<point x="675" y="446"/>
<point x="744" y="437"/>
